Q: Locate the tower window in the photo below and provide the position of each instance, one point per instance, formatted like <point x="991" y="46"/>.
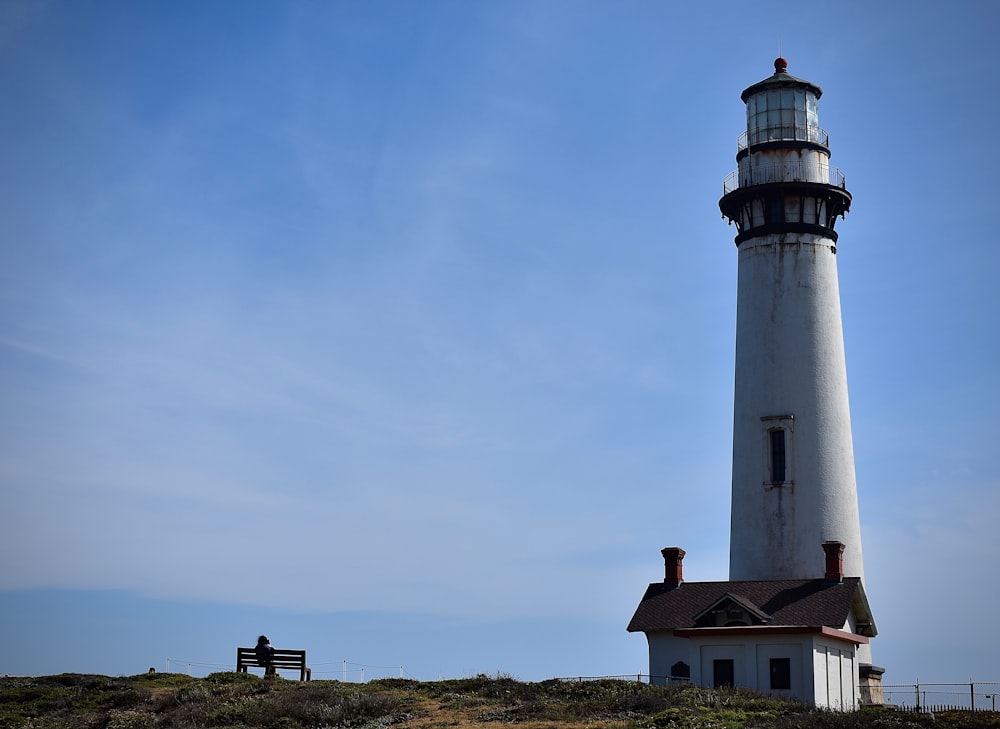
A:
<point x="777" y="451"/>
<point x="777" y="455"/>
<point x="781" y="674"/>
<point x="775" y="209"/>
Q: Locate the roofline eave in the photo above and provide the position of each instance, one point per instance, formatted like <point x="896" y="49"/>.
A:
<point x="825" y="630"/>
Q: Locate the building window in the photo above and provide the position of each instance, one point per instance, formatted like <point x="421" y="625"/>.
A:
<point x="777" y="455"/>
<point x="723" y="673"/>
<point x="680" y="670"/>
<point x="781" y="674"/>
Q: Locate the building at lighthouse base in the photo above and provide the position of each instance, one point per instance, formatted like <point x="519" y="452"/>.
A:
<point x="795" y="638"/>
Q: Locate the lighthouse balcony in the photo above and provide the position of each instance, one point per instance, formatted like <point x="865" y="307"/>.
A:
<point x="783" y="133"/>
<point x="762" y="201"/>
<point x="785" y="171"/>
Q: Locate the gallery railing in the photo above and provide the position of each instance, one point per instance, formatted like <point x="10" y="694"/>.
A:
<point x="789" y="171"/>
<point x="783" y="133"/>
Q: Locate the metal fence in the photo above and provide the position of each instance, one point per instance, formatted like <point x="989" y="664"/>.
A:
<point x="637" y="677"/>
<point x="344" y="670"/>
<point x="971" y="696"/>
<point x="920" y="697"/>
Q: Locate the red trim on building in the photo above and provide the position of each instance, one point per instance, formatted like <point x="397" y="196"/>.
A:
<point x="772" y="630"/>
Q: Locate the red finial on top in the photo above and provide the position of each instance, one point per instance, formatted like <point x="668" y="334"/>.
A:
<point x="780" y="65"/>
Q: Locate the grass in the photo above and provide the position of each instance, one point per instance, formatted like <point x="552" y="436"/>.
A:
<point x="245" y="701"/>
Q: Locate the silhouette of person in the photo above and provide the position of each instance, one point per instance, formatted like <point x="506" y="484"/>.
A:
<point x="265" y="655"/>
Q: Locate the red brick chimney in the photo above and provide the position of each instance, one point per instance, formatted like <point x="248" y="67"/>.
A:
<point x="673" y="558"/>
<point x="834" y="561"/>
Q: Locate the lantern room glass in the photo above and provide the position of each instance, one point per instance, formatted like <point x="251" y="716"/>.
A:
<point x="780" y="114"/>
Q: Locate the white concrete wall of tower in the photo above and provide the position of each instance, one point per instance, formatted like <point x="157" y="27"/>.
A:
<point x="791" y="376"/>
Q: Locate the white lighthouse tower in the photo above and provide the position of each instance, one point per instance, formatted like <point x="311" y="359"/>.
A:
<point x="793" y="458"/>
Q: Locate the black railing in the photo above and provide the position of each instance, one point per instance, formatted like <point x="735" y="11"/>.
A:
<point x="783" y="133"/>
<point x="791" y="171"/>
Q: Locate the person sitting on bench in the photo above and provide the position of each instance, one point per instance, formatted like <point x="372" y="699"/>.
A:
<point x="265" y="654"/>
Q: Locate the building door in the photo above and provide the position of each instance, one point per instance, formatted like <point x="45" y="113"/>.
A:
<point x="722" y="672"/>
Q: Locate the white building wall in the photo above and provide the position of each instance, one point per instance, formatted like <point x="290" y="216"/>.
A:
<point x="794" y="652"/>
<point x="836" y="676"/>
<point x="822" y="671"/>
<point x="834" y="679"/>
<point x="790" y="361"/>
<point x="821" y="688"/>
<point x="740" y="653"/>
<point x="850" y="680"/>
<point x="665" y="650"/>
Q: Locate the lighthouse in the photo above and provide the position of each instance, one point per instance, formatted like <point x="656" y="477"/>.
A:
<point x="794" y="484"/>
<point x="793" y="618"/>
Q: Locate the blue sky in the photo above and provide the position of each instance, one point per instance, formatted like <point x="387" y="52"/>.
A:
<point x="404" y="332"/>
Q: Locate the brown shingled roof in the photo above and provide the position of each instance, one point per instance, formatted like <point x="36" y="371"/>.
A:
<point x="787" y="602"/>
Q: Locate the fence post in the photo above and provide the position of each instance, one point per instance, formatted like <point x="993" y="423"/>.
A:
<point x="916" y="687"/>
<point x="972" y="695"/>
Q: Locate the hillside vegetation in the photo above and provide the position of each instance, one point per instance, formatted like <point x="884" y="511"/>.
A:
<point x="242" y="701"/>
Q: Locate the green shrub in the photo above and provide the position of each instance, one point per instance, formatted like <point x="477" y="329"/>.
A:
<point x="235" y="677"/>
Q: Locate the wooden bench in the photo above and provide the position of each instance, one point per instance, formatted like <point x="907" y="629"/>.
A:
<point x="283" y="658"/>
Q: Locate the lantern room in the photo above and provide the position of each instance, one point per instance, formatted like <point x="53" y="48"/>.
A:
<point x="783" y="107"/>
